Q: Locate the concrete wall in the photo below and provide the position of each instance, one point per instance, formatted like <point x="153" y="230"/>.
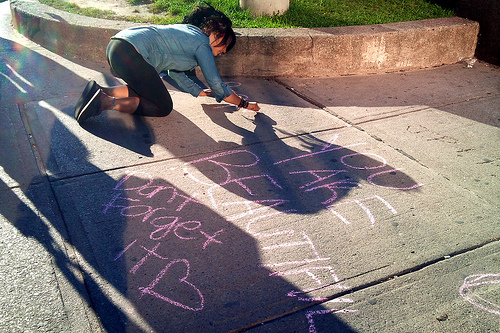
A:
<point x="351" y="50"/>
<point x="276" y="52"/>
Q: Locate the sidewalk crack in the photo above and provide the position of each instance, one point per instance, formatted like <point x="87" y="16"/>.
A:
<point x="21" y="107"/>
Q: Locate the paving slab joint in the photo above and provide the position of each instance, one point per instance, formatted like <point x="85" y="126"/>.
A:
<point x="297" y="52"/>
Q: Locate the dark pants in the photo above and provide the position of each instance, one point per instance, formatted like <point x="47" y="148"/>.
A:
<point x="142" y="79"/>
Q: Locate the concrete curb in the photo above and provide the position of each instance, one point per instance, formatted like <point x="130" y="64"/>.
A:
<point x="276" y="52"/>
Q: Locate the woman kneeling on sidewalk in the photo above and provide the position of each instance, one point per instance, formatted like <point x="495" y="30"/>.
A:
<point x="137" y="55"/>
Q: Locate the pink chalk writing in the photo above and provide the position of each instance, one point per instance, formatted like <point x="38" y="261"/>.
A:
<point x="163" y="225"/>
<point x="162" y="230"/>
<point x="234" y="84"/>
<point x="183" y="280"/>
<point x="125" y="208"/>
<point x="149" y="253"/>
<point x="330" y="142"/>
<point x="471" y="290"/>
<point x="316" y="174"/>
<point x="211" y="238"/>
<point x="341" y="184"/>
<point x="296" y="267"/>
<point x="266" y="200"/>
<point x="269" y="215"/>
<point x="227" y="166"/>
<point x="323" y="151"/>
<point x="136" y="210"/>
<point x="304" y="241"/>
<point x="294" y="262"/>
<point x="249" y="206"/>
<point x="212" y="159"/>
<point x="332" y="187"/>
<point x="124" y="250"/>
<point x="149" y="191"/>
<point x="310" y="272"/>
<point x="361" y="203"/>
<point x="229" y="171"/>
<point x="310" y="316"/>
<point x="259" y="210"/>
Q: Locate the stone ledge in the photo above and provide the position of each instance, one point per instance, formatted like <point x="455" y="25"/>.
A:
<point x="277" y="51"/>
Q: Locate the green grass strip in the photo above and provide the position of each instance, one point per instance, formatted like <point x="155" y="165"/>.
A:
<point x="302" y="13"/>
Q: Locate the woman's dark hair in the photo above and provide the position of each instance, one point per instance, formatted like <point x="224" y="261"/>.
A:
<point x="209" y="19"/>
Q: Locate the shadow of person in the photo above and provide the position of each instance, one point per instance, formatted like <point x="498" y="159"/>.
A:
<point x="70" y="226"/>
<point x="165" y="259"/>
<point x="309" y="174"/>
<point x="301" y="174"/>
<point x="148" y="258"/>
<point x="32" y="206"/>
<point x="189" y="268"/>
<point x="132" y="133"/>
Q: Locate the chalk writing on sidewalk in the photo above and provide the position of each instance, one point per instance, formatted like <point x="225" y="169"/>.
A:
<point x="362" y="204"/>
<point x="310" y="314"/>
<point x="252" y="193"/>
<point x="182" y="279"/>
<point x="471" y="290"/>
<point x="169" y="263"/>
<point x="232" y="85"/>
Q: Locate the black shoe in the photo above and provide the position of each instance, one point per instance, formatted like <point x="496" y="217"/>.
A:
<point x="87" y="94"/>
<point x="92" y="108"/>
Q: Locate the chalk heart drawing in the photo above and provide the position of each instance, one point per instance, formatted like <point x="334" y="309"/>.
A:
<point x="183" y="280"/>
<point x="476" y="287"/>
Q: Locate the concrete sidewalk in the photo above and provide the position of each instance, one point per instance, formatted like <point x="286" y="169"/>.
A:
<point x="350" y="204"/>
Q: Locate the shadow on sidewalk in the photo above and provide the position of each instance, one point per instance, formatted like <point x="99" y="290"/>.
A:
<point x="153" y="258"/>
<point x="267" y="175"/>
<point x="309" y="176"/>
